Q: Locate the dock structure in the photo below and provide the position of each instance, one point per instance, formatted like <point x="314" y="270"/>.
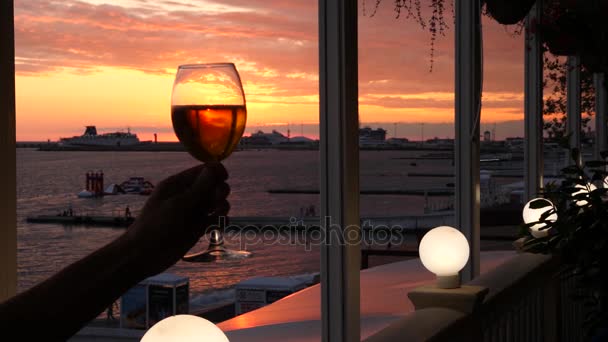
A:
<point x="95" y="183"/>
<point x="261" y="222"/>
<point x="411" y="192"/>
<point x="85" y="220"/>
<point x="489" y="217"/>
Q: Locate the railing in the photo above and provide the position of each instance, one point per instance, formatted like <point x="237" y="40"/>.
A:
<point x="514" y="310"/>
<point x="412" y="252"/>
<point x="572" y="313"/>
<point x="528" y="300"/>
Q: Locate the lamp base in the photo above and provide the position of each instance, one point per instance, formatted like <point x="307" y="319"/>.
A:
<point x="448" y="282"/>
<point x="466" y="298"/>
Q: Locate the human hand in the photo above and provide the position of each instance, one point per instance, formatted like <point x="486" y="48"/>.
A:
<point x="176" y="215"/>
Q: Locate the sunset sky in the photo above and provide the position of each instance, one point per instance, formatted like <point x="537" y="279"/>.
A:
<point x="112" y="63"/>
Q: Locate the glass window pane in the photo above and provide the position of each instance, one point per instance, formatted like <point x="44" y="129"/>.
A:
<point x="406" y="92"/>
<point x="111" y="68"/>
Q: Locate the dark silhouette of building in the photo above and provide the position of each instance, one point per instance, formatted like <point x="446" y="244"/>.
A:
<point x="368" y="136"/>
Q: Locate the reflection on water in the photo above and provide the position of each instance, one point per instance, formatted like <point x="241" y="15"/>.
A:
<point x="49" y="181"/>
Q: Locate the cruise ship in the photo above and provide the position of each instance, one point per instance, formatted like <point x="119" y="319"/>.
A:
<point x="91" y="138"/>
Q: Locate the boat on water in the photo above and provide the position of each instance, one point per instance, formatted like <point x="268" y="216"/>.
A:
<point x="92" y="138"/>
<point x="133" y="185"/>
<point x="137" y="185"/>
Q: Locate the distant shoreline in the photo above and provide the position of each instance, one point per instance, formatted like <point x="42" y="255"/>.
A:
<point x="177" y="147"/>
<point x="147" y="146"/>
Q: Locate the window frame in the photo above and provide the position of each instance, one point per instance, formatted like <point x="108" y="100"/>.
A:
<point x="339" y="170"/>
<point x="8" y="155"/>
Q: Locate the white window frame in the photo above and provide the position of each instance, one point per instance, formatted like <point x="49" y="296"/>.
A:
<point x="573" y="103"/>
<point x="339" y="172"/>
<point x="8" y="155"/>
<point x="533" y="105"/>
<point x="469" y="75"/>
<point x="339" y="151"/>
<point x="601" y="112"/>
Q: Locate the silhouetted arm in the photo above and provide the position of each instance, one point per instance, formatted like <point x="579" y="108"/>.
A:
<point x="173" y="219"/>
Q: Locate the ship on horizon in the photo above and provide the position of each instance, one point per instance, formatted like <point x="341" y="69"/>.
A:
<point x="92" y="138"/>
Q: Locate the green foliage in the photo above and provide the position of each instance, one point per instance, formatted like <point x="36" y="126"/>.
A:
<point x="555" y="70"/>
<point x="579" y="237"/>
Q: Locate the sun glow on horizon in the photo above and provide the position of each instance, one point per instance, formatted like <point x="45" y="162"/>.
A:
<point x="113" y="65"/>
<point x="116" y="97"/>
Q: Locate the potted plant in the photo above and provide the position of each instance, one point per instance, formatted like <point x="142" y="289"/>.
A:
<point x="509" y="12"/>
<point x="579" y="236"/>
<point x="577" y="27"/>
<point x="567" y="28"/>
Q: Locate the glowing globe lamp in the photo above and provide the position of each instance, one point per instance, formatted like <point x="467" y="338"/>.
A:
<point x="583" y="190"/>
<point x="531" y="215"/>
<point x="184" y="328"/>
<point x="444" y="251"/>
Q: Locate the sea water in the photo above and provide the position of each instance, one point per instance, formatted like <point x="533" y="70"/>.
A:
<point x="48" y="182"/>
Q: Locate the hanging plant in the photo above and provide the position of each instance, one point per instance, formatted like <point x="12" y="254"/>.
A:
<point x="431" y="15"/>
<point x="568" y="27"/>
<point x="577" y="27"/>
<point x="435" y="23"/>
<point x="509" y="12"/>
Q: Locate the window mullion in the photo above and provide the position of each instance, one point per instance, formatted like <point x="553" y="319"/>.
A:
<point x="8" y="176"/>
<point x="339" y="151"/>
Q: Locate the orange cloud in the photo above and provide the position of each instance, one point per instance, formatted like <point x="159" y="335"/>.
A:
<point x="73" y="53"/>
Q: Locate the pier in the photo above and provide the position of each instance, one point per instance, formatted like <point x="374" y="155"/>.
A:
<point x="260" y="222"/>
<point x="410" y="192"/>
<point x="85" y="220"/>
<point x="505" y="216"/>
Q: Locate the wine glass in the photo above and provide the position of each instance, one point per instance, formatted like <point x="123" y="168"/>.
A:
<point x="208" y="112"/>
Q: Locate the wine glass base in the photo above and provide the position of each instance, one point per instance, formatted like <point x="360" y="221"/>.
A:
<point x="215" y="254"/>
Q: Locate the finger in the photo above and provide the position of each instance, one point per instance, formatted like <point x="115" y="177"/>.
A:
<point x="218" y="169"/>
<point x="201" y="194"/>
<point x="222" y="191"/>
<point x="178" y="182"/>
<point x="220" y="209"/>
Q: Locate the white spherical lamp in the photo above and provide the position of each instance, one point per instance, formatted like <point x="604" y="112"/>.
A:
<point x="583" y="190"/>
<point x="184" y="328"/>
<point x="444" y="251"/>
<point x="531" y="215"/>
